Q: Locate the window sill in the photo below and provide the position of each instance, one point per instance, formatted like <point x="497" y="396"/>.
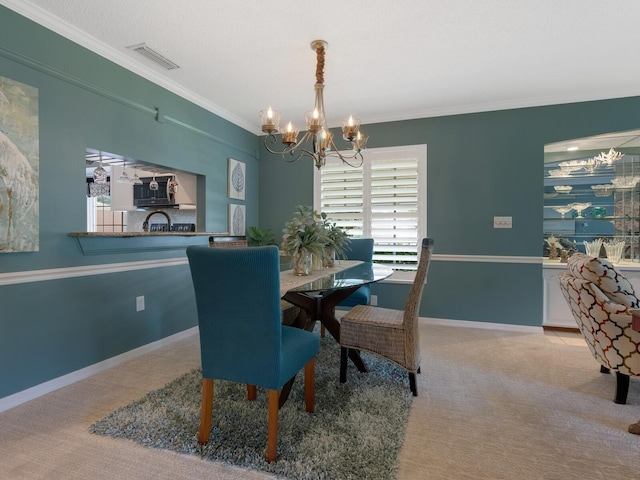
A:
<point x="405" y="278"/>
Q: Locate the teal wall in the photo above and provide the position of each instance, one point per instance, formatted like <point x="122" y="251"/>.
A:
<point x="55" y="327"/>
<point x="478" y="166"/>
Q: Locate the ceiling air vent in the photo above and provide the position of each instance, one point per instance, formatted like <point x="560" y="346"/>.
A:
<point x="151" y="54"/>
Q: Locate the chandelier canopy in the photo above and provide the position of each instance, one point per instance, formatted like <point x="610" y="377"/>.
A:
<point x="317" y="142"/>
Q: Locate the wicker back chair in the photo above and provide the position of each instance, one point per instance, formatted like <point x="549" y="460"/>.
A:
<point x="391" y="334"/>
<point x="227" y="242"/>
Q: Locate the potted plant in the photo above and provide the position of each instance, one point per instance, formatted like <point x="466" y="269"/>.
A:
<point x="302" y="237"/>
<point x="259" y="237"/>
<point x="336" y="241"/>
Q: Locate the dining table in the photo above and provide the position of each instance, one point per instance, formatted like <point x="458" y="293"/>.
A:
<point x="318" y="294"/>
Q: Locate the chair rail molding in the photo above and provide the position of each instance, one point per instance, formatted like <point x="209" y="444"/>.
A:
<point x="30" y="276"/>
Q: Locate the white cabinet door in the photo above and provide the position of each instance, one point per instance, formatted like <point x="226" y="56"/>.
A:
<point x="556" y="311"/>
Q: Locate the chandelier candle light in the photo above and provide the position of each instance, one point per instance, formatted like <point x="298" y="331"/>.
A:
<point x="317" y="142"/>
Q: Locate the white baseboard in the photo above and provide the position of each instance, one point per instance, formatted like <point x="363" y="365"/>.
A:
<point x="484" y="325"/>
<point x="32" y="393"/>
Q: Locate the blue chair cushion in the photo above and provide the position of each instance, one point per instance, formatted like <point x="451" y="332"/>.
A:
<point x="298" y="347"/>
<point x="362" y="296"/>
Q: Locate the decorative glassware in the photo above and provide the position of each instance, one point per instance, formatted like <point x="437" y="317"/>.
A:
<point x="625" y="183"/>
<point x="563" y="209"/>
<point x="614" y="249"/>
<point x="100" y="174"/>
<point x="591" y="165"/>
<point x="124" y="178"/>
<point x="302" y="262"/>
<point x="557" y="173"/>
<point x="572" y="165"/>
<point x="602" y="190"/>
<point x="579" y="207"/>
<point x="593" y="248"/>
<point x="563" y="188"/>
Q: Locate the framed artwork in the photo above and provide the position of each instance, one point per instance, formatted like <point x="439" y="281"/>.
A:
<point x="19" y="167"/>
<point x="237" y="219"/>
<point x="236" y="182"/>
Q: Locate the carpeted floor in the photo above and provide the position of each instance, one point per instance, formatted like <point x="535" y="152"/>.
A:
<point x="493" y="405"/>
<point x="356" y="430"/>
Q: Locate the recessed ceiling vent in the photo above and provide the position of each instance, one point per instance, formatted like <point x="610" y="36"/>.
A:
<point x="151" y="54"/>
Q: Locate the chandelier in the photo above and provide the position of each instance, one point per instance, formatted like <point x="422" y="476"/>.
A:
<point x="317" y="142"/>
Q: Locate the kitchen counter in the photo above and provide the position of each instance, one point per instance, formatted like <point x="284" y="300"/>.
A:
<point x="101" y="243"/>
<point x="147" y="234"/>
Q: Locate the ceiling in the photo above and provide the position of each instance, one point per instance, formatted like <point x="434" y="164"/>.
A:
<point x="386" y="60"/>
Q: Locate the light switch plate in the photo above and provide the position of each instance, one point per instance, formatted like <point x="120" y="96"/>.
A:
<point x="501" y="222"/>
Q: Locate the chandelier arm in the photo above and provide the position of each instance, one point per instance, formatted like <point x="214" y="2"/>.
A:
<point x="348" y="158"/>
<point x="317" y="143"/>
<point x="296" y="151"/>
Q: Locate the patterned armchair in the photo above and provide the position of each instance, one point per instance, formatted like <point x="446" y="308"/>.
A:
<point x="600" y="299"/>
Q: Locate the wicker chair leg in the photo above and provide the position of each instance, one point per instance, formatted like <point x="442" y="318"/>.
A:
<point x="622" y="388"/>
<point x="412" y="384"/>
<point x="344" y="352"/>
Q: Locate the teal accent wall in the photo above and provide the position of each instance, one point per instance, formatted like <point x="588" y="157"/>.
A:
<point x="55" y="327"/>
<point x="478" y="166"/>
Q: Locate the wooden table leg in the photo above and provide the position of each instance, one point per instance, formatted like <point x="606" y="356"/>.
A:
<point x="320" y="307"/>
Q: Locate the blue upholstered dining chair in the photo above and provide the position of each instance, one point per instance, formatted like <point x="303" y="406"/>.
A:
<point x="359" y="249"/>
<point x="242" y="338"/>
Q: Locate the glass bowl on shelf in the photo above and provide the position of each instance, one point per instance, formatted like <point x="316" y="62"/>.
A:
<point x="625" y="183"/>
<point x="563" y="209"/>
<point x="580" y="207"/>
<point x="563" y="188"/>
<point x="557" y="173"/>
<point x="598" y="212"/>
<point x="602" y="190"/>
<point x="572" y="165"/>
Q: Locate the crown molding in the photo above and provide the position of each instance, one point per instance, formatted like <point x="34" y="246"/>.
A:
<point x="55" y="24"/>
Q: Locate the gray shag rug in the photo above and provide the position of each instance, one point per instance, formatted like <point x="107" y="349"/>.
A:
<point x="356" y="431"/>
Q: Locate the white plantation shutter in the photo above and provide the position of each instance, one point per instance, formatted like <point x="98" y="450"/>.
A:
<point x="385" y="199"/>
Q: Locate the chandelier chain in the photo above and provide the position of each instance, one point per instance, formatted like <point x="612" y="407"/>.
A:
<point x="320" y="64"/>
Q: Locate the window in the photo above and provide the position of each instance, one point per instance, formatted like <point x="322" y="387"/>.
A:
<point x="385" y="199"/>
<point x="100" y="217"/>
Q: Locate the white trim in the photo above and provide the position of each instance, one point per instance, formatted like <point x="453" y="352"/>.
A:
<point x="47" y="387"/>
<point x="32" y="393"/>
<point x="59" y="26"/>
<point x="482" y="325"/>
<point x="29" y="276"/>
<point x="443" y="257"/>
